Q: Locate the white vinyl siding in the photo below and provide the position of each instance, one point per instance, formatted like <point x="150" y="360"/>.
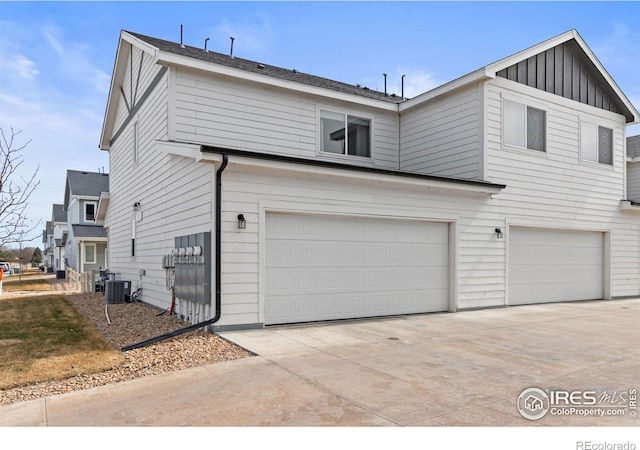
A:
<point x="322" y="267"/>
<point x="175" y="194"/>
<point x="243" y="116"/>
<point x="443" y="137"/>
<point x="557" y="189"/>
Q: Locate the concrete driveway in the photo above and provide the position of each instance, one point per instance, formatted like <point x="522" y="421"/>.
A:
<point x="462" y="369"/>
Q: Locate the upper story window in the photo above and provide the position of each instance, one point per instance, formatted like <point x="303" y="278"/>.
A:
<point x="90" y="211"/>
<point x="344" y="134"/>
<point x="525" y="126"/>
<point x="596" y="143"/>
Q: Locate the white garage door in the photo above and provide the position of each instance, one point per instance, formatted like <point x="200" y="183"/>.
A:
<point x="329" y="267"/>
<point x="554" y="265"/>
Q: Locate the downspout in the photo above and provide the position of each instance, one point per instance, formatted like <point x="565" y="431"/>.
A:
<point x="218" y="300"/>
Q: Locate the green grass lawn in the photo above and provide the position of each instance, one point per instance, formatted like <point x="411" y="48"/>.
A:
<point x="44" y="338"/>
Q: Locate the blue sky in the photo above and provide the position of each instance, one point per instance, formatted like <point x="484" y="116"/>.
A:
<point x="56" y="58"/>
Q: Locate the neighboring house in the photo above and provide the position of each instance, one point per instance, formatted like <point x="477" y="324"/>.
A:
<point x="48" y="255"/>
<point x="324" y="200"/>
<point x="59" y="224"/>
<point x="86" y="241"/>
<point x="633" y="169"/>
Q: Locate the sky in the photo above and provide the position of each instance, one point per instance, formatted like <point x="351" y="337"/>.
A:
<point x="57" y="58"/>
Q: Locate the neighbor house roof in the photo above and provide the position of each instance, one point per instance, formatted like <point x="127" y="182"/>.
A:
<point x="89" y="231"/>
<point x="633" y="146"/>
<point x="85" y="184"/>
<point x="59" y="214"/>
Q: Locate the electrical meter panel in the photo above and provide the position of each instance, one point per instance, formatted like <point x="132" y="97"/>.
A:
<point x="192" y="262"/>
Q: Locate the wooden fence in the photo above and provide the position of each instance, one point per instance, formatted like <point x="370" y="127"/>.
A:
<point x="84" y="281"/>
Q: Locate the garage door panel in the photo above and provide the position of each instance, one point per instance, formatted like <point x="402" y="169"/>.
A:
<point x="554" y="265"/>
<point x="328" y="267"/>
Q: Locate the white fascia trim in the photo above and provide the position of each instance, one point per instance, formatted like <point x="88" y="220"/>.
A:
<point x="633" y="159"/>
<point x="180" y="149"/>
<point x="373" y="177"/>
<point x="142" y="45"/>
<point x="170" y="59"/>
<point x="473" y="77"/>
<point x="534" y="50"/>
<point x="497" y="66"/>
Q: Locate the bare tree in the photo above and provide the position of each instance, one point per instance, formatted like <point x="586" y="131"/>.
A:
<point x="15" y="190"/>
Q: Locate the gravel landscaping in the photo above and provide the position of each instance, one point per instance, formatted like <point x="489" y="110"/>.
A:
<point x="132" y="323"/>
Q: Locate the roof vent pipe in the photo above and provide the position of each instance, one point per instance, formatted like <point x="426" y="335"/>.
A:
<point x="181" y="44"/>
<point x="232" y="39"/>
<point x="385" y="83"/>
<point x="402" y="83"/>
<point x="205" y="44"/>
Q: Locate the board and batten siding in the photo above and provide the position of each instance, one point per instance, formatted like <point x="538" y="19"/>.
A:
<point x="443" y="137"/>
<point x="555" y="188"/>
<point x="175" y="195"/>
<point x="240" y="115"/>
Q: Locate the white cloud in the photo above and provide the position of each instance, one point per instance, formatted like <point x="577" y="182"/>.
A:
<point x="75" y="61"/>
<point x="250" y="38"/>
<point x="18" y="66"/>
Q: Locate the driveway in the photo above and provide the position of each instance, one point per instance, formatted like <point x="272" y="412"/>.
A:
<point x="462" y="369"/>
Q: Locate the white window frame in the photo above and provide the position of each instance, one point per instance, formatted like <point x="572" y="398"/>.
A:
<point x="346" y="113"/>
<point x="525" y="103"/>
<point x="595" y="125"/>
<point x="95" y="256"/>
<point x="95" y="211"/>
<point x="136" y="132"/>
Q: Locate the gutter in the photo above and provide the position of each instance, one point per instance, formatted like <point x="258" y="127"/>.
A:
<point x="162" y="337"/>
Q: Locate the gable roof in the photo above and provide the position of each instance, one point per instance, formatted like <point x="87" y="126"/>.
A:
<point x="173" y="54"/>
<point x="59" y="215"/>
<point x="85" y="184"/>
<point x="263" y="69"/>
<point x="633" y="146"/>
<point x="509" y="66"/>
<point x="168" y="53"/>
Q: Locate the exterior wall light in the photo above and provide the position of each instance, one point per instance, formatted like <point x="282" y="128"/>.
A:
<point x="498" y="232"/>
<point x="242" y="222"/>
<point x="136" y="206"/>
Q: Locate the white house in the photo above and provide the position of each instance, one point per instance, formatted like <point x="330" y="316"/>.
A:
<point x="48" y="254"/>
<point x="86" y="241"/>
<point x="59" y="225"/>
<point x="324" y="200"/>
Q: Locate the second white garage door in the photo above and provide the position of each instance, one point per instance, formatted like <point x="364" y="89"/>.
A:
<point x="547" y="265"/>
<point x="332" y="267"/>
